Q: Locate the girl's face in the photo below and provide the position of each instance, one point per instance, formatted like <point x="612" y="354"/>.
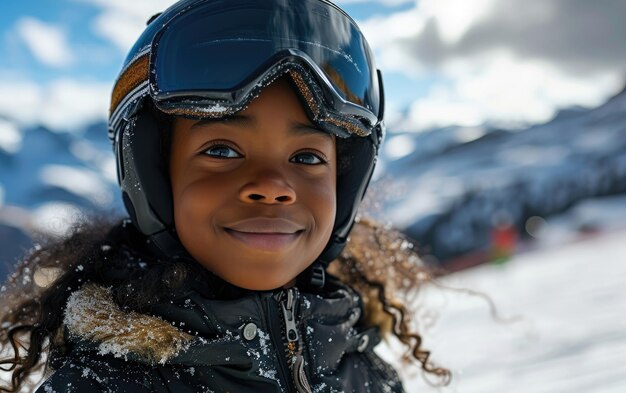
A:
<point x="255" y="193"/>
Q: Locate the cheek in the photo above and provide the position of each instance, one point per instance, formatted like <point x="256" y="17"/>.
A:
<point x="194" y="206"/>
<point x="321" y="198"/>
<point x="328" y="210"/>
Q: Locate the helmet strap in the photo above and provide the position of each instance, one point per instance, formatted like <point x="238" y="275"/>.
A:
<point x="314" y="277"/>
<point x="168" y="245"/>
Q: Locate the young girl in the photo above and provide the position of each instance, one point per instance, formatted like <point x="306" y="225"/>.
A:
<point x="245" y="132"/>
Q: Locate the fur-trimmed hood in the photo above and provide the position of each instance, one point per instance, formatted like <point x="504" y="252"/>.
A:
<point x="92" y="315"/>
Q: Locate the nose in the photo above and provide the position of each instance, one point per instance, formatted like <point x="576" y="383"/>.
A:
<point x="269" y="188"/>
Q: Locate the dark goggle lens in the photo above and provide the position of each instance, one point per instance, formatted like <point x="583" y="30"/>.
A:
<point x="222" y="45"/>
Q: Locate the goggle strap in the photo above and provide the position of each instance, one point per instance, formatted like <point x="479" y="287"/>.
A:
<point x="134" y="75"/>
<point x="303" y="87"/>
<point x="312" y="103"/>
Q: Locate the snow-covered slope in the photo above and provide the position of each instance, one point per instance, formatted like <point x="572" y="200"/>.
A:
<point x="570" y="336"/>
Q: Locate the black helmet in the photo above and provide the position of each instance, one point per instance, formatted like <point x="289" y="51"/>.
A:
<point x="209" y="58"/>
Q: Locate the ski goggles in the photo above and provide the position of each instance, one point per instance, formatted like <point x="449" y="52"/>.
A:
<point x="212" y="58"/>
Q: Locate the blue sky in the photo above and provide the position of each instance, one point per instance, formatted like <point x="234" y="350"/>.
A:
<point x="444" y="61"/>
<point x="99" y="59"/>
<point x="73" y="18"/>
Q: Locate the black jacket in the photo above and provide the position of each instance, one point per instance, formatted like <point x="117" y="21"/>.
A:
<point x="272" y="341"/>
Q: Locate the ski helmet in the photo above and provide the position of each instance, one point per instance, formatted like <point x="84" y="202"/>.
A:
<point x="210" y="58"/>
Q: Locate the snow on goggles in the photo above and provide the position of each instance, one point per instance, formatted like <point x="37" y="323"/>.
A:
<point x="210" y="60"/>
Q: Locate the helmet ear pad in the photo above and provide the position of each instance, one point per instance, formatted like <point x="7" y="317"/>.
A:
<point x="356" y="158"/>
<point x="143" y="171"/>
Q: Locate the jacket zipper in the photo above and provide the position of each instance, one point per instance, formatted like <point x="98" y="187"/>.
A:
<point x="293" y="341"/>
<point x="274" y="315"/>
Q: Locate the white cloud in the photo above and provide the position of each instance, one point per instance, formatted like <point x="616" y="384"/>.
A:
<point x="381" y="30"/>
<point x="500" y="89"/>
<point x="48" y="43"/>
<point x="399" y="146"/>
<point x="508" y="94"/>
<point x="10" y="137"/>
<point x="386" y="33"/>
<point x="454" y="18"/>
<point x="82" y="182"/>
<point x="122" y="21"/>
<point x="69" y="103"/>
<point x="502" y="61"/>
<point x="56" y="218"/>
<point x="61" y="104"/>
<point x="20" y="100"/>
<point x="121" y="29"/>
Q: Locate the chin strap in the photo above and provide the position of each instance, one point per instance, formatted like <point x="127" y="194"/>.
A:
<point x="332" y="251"/>
<point x="313" y="277"/>
<point x="168" y="245"/>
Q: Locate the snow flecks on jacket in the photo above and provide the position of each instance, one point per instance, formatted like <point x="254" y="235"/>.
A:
<point x="91" y="314"/>
<point x="263" y="357"/>
<point x="152" y="352"/>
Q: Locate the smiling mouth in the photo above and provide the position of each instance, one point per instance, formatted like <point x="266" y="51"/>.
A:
<point x="265" y="241"/>
<point x="267" y="234"/>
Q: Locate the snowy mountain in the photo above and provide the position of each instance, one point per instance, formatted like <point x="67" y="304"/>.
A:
<point x="45" y="176"/>
<point x="448" y="195"/>
<point x="445" y="187"/>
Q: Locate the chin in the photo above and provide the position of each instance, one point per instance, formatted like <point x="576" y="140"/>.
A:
<point x="262" y="284"/>
<point x="261" y="281"/>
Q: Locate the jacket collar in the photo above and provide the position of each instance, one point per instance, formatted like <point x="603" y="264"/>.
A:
<point x="201" y="329"/>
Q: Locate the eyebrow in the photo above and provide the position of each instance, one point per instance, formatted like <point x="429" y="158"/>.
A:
<point x="236" y="120"/>
<point x="302" y="128"/>
<point x="240" y="120"/>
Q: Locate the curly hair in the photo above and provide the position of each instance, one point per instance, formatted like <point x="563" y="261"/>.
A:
<point x="96" y="250"/>
<point x="116" y="255"/>
<point x="382" y="265"/>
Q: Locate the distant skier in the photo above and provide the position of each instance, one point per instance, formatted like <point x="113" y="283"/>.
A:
<point x="504" y="238"/>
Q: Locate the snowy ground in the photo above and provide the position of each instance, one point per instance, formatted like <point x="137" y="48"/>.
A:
<point x="570" y="339"/>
